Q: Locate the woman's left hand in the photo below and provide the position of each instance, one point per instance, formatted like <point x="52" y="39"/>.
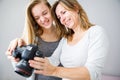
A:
<point x="42" y="66"/>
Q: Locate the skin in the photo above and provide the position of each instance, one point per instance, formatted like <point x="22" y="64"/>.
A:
<point x="12" y="46"/>
<point x="70" y="20"/>
<point x="42" y="16"/>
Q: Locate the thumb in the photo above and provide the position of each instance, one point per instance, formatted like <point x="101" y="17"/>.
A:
<point x="20" y="42"/>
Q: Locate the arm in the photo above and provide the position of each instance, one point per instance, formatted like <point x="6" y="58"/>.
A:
<point x="55" y="58"/>
<point x="97" y="51"/>
<point x="98" y="47"/>
<point x="78" y="73"/>
<point x="46" y="68"/>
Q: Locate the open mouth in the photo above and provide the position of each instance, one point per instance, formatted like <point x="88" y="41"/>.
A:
<point x="67" y="23"/>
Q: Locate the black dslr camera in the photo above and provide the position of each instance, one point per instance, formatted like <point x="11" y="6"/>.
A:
<point x="26" y="53"/>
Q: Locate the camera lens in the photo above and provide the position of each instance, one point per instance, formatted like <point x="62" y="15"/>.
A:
<point x="24" y="69"/>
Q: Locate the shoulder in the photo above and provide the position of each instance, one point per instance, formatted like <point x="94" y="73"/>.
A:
<point x="62" y="40"/>
<point x="96" y="31"/>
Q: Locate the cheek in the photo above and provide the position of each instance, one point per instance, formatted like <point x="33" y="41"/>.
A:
<point x="75" y="18"/>
<point x="38" y="22"/>
<point x="49" y="16"/>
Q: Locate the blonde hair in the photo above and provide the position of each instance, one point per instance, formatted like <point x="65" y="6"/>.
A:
<point x="31" y="29"/>
<point x="72" y="5"/>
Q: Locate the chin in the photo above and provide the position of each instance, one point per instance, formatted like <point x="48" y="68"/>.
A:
<point x="48" y="27"/>
<point x="70" y="27"/>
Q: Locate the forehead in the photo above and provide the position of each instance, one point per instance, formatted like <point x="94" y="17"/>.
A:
<point x="59" y="8"/>
<point x="39" y="8"/>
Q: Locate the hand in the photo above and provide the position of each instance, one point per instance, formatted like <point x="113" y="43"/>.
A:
<point x="42" y="66"/>
<point x="13" y="44"/>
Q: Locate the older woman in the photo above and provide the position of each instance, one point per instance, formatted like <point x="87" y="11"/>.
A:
<point x="84" y="48"/>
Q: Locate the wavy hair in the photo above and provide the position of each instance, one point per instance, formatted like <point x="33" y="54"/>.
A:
<point x="72" y="5"/>
<point x="32" y="29"/>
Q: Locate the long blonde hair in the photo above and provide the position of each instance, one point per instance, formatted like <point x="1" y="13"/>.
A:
<point x="72" y="5"/>
<point x="32" y="29"/>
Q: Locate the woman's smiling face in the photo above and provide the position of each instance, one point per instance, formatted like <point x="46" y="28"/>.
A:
<point x="69" y="18"/>
<point x="42" y="15"/>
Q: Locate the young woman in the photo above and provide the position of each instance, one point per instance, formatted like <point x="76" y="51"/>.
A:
<point x="40" y="30"/>
<point x="84" y="48"/>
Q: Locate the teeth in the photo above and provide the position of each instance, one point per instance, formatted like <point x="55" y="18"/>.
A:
<point x="67" y="22"/>
<point x="46" y="22"/>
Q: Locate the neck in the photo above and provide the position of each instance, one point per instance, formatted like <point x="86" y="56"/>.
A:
<point x="49" y="31"/>
<point x="78" y="30"/>
<point x="78" y="33"/>
<point x="77" y="36"/>
<point x="49" y="35"/>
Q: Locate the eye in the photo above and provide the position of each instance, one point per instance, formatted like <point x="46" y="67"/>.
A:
<point x="59" y="17"/>
<point x="36" y="18"/>
<point x="63" y="12"/>
<point x="45" y="12"/>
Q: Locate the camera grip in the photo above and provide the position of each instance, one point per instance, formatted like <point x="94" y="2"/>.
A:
<point x="39" y="54"/>
<point x="18" y="51"/>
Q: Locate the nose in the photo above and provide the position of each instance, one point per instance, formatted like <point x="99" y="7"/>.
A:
<point x="62" y="20"/>
<point x="42" y="19"/>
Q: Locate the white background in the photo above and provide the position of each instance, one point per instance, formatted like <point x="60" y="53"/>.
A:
<point x="105" y="13"/>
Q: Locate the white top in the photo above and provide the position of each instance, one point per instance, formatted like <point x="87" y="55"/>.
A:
<point x="90" y="52"/>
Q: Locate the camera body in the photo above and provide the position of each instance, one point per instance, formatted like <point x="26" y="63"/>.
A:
<point x="26" y="53"/>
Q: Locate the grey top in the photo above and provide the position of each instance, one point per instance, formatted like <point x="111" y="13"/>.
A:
<point x="47" y="48"/>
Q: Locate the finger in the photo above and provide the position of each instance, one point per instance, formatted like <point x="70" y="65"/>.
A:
<point x="12" y="46"/>
<point x="39" y="59"/>
<point x="36" y="64"/>
<point x="9" y="57"/>
<point x="20" y="42"/>
<point x="8" y="53"/>
<point x="16" y="59"/>
<point x="13" y="59"/>
<point x="38" y="71"/>
<point x="9" y="50"/>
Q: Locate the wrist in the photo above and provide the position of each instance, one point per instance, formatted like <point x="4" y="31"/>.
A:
<point x="56" y="71"/>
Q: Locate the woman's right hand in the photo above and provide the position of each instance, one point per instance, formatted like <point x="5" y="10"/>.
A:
<point x="13" y="44"/>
